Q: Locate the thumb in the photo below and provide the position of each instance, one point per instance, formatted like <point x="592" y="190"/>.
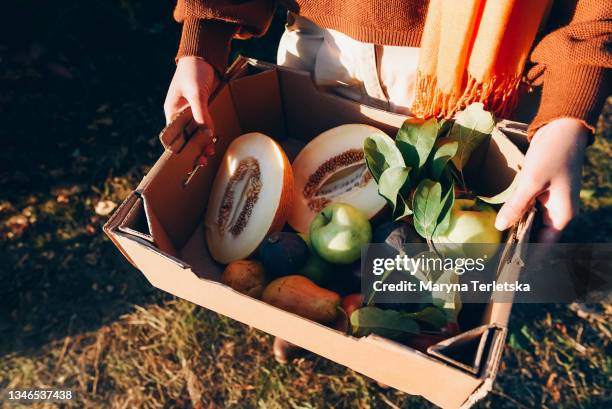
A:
<point x="518" y="204"/>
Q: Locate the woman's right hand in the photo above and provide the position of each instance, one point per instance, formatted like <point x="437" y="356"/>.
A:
<point x="193" y="82"/>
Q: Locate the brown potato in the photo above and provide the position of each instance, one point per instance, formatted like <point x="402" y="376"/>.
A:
<point x="299" y="295"/>
<point x="245" y="276"/>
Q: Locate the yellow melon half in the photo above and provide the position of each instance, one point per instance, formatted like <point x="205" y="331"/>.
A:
<point x="331" y="169"/>
<point x="250" y="197"/>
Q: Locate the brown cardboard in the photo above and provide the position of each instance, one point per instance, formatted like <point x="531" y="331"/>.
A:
<point x="159" y="229"/>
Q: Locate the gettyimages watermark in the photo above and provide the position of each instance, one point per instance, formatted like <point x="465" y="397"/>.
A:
<point x="481" y="273"/>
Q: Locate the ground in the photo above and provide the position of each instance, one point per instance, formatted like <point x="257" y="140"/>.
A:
<point x="83" y="84"/>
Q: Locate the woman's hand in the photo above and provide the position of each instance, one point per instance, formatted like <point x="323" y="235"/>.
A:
<point x="193" y="82"/>
<point x="552" y="173"/>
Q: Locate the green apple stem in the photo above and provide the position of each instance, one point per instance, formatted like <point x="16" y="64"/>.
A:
<point x="326" y="217"/>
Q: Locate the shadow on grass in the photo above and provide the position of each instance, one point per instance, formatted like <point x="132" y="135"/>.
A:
<point x="82" y="97"/>
<point x="83" y="86"/>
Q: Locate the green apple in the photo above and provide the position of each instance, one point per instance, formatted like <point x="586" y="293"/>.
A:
<point x="471" y="223"/>
<point x="317" y="269"/>
<point x="338" y="232"/>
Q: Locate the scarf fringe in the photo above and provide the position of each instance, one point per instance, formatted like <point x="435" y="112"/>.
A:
<point x="498" y="94"/>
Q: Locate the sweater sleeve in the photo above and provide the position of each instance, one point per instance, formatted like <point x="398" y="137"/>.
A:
<point x="573" y="63"/>
<point x="210" y="25"/>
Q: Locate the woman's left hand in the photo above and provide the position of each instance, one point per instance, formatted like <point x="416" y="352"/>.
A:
<point x="551" y="173"/>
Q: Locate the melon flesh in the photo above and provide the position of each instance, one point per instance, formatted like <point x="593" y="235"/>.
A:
<point x="332" y="169"/>
<point x="250" y="197"/>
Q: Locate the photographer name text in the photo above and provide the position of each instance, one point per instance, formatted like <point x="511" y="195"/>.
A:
<point x="475" y="285"/>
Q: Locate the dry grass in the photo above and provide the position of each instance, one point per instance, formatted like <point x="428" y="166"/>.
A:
<point x="179" y="355"/>
<point x="82" y="113"/>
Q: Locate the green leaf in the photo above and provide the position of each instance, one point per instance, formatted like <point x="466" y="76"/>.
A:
<point x="501" y="197"/>
<point x="380" y="154"/>
<point x="423" y="273"/>
<point x="387" y="323"/>
<point x="444" y="152"/>
<point x="402" y="209"/>
<point x="452" y="174"/>
<point x="444" y="217"/>
<point x="471" y="127"/>
<point x="390" y="183"/>
<point x="431" y="315"/>
<point x="447" y="302"/>
<point x="426" y="205"/>
<point x="415" y="139"/>
<point x="444" y="126"/>
<point x="369" y="297"/>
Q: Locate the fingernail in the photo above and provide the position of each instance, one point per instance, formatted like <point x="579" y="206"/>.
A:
<point x="501" y="223"/>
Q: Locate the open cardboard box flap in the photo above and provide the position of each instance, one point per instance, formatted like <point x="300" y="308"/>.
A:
<point x="159" y="229"/>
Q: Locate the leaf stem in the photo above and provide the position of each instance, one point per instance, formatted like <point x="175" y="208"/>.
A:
<point x="432" y="247"/>
<point x="430" y="244"/>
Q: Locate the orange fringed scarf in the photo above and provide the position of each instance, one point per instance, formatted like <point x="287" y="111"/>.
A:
<point x="474" y="51"/>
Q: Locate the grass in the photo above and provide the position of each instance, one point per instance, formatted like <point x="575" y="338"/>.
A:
<point x="82" y="91"/>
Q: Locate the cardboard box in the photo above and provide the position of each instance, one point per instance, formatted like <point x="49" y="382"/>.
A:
<point x="159" y="230"/>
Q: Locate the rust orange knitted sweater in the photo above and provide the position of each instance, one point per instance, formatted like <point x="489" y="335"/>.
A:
<point x="573" y="58"/>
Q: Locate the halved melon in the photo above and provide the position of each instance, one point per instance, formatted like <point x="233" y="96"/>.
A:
<point x="250" y="197"/>
<point x="332" y="168"/>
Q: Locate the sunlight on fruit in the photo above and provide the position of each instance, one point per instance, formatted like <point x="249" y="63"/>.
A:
<point x="342" y="217"/>
<point x="232" y="164"/>
<point x="341" y="241"/>
<point x="278" y="156"/>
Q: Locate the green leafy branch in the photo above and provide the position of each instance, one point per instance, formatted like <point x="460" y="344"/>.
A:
<point x="418" y="171"/>
<point x="393" y="324"/>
